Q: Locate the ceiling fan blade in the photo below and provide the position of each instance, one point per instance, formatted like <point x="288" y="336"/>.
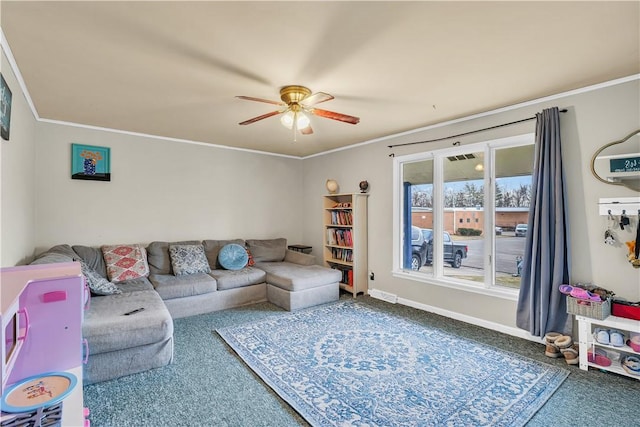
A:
<point x="335" y="116"/>
<point x="307" y="130"/>
<point x="268" y="101"/>
<point x="316" y="98"/>
<point x="264" y="116"/>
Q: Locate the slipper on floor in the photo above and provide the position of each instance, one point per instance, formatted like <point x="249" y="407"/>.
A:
<point x="551" y="349"/>
<point x="599" y="357"/>
<point x="571" y="355"/>
<point x="564" y="341"/>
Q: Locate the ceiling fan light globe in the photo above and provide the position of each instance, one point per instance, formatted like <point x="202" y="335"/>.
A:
<point x="287" y="119"/>
<point x="302" y="121"/>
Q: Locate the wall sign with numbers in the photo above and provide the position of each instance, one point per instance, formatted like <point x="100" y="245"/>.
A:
<point x="626" y="164"/>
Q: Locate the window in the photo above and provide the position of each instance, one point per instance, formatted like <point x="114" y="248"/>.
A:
<point x="460" y="197"/>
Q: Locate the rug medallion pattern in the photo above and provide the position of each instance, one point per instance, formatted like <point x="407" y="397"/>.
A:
<point x="346" y="364"/>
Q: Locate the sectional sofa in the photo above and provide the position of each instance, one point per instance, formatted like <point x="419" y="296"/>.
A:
<point x="128" y="324"/>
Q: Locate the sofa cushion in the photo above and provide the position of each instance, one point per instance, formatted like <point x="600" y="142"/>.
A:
<point x="212" y="249"/>
<point x="229" y="279"/>
<point x="63" y="253"/>
<point x="267" y="250"/>
<point x="170" y="286"/>
<point x="134" y="285"/>
<point x="158" y="256"/>
<point x="63" y="250"/>
<point x="299" y="258"/>
<point x="233" y="257"/>
<point x="106" y="328"/>
<point x="294" y="277"/>
<point x="188" y="259"/>
<point x="93" y="257"/>
<point x="125" y="262"/>
<point x="51" y="258"/>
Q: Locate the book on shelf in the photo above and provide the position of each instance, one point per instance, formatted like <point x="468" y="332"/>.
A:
<point x="340" y="237"/>
<point x="342" y="254"/>
<point x="341" y="218"/>
<point x="347" y="274"/>
<point x="331" y="236"/>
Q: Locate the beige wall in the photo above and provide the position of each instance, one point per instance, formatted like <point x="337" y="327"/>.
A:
<point x="594" y="118"/>
<point x="17" y="185"/>
<point x="162" y="190"/>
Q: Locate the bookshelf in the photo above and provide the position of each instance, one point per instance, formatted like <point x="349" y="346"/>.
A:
<point x="345" y="239"/>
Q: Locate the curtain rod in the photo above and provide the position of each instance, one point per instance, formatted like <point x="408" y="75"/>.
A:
<point x="467" y="133"/>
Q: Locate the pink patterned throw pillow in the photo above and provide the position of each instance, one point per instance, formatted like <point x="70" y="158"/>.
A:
<point x="125" y="262"/>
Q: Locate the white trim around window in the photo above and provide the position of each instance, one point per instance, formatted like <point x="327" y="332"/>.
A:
<point x="438" y="278"/>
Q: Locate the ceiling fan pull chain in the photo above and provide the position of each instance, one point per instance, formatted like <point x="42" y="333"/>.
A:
<point x="295" y="127"/>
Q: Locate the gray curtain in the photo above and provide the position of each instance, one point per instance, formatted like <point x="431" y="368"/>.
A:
<point x="541" y="306"/>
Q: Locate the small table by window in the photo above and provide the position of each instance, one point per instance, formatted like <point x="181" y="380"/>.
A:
<point x="300" y="248"/>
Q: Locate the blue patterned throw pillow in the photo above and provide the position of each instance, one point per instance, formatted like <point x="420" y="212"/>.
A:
<point x="188" y="259"/>
<point x="233" y="257"/>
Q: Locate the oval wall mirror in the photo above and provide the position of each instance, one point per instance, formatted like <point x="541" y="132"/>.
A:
<point x="618" y="163"/>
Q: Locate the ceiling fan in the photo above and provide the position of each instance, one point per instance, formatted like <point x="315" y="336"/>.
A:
<point x="296" y="101"/>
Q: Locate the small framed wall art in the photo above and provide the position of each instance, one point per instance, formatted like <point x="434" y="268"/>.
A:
<point x="5" y="108"/>
<point x="90" y="162"/>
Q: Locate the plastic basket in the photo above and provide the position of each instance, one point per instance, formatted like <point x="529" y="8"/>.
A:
<point x="594" y="309"/>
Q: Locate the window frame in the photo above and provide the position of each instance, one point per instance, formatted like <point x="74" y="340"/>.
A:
<point x="488" y="147"/>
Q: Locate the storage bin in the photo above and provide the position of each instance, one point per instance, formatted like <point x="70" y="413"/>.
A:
<point x="626" y="310"/>
<point x="594" y="309"/>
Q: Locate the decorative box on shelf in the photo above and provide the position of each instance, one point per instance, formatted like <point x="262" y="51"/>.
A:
<point x="628" y="310"/>
<point x="595" y="309"/>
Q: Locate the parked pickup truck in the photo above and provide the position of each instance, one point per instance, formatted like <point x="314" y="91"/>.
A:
<point x="454" y="253"/>
<point x="418" y="248"/>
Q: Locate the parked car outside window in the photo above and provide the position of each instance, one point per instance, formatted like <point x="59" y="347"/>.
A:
<point x="498" y="231"/>
<point x="418" y="248"/>
<point x="453" y="253"/>
<point x="521" y="230"/>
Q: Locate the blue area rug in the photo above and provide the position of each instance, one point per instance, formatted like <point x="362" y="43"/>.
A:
<point x="347" y="364"/>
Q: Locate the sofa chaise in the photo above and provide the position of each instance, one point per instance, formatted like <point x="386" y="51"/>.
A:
<point x="123" y="340"/>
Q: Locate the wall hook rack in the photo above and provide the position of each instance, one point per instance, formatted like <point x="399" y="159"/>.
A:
<point x="618" y="205"/>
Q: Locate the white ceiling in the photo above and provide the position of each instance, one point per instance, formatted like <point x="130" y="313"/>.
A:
<point x="173" y="69"/>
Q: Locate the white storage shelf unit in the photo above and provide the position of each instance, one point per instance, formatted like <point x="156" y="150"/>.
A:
<point x="586" y="327"/>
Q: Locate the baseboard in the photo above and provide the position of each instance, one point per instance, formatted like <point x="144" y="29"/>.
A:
<point x="393" y="298"/>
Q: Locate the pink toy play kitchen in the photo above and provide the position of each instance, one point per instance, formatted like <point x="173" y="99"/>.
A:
<point x="42" y="312"/>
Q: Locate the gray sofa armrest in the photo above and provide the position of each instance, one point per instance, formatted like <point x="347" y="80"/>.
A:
<point x="299" y="258"/>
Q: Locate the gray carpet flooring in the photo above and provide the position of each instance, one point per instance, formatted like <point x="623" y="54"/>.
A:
<point x="208" y="385"/>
